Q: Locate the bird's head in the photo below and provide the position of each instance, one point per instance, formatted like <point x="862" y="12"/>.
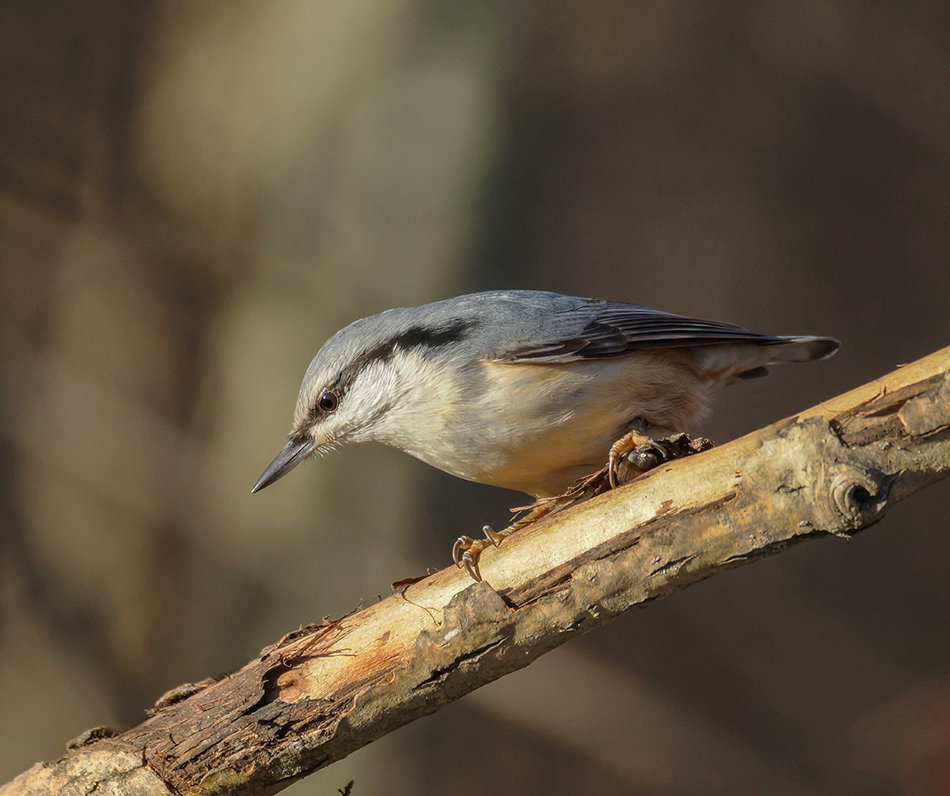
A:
<point x="360" y="387"/>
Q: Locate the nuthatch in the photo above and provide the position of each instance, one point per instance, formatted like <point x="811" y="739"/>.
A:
<point x="519" y="388"/>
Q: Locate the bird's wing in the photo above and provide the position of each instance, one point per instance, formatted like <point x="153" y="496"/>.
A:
<point x="611" y="329"/>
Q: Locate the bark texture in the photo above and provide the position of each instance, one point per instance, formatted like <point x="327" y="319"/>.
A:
<point x="325" y="691"/>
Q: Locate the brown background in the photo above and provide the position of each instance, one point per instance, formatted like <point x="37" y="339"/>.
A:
<point x="193" y="196"/>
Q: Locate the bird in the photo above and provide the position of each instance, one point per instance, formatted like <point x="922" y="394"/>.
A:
<point x="524" y="389"/>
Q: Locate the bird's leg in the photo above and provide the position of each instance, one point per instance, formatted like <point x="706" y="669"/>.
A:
<point x="466" y="551"/>
<point x="641" y="453"/>
<point x="637" y="449"/>
<point x="633" y="454"/>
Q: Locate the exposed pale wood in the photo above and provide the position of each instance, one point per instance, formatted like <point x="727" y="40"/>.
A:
<point x="321" y="694"/>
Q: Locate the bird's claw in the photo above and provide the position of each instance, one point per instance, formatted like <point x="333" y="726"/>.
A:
<point x="462" y="544"/>
<point x="640" y="453"/>
<point x="466" y="551"/>
<point x="493" y="536"/>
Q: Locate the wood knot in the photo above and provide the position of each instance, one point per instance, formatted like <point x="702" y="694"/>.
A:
<point x="859" y="496"/>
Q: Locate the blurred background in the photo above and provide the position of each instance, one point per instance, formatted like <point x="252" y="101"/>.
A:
<point x="194" y="196"/>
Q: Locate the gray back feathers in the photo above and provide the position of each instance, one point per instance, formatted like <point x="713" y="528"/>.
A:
<point x="534" y="326"/>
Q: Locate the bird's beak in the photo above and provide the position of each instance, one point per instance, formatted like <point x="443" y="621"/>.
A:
<point x="289" y="457"/>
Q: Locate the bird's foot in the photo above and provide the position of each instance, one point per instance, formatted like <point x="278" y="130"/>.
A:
<point x="634" y="454"/>
<point x="466" y="551"/>
<point x="631" y="456"/>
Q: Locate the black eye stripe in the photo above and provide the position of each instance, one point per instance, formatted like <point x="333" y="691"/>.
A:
<point x="415" y="337"/>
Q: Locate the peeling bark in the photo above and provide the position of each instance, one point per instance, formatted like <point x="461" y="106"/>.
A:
<point x="325" y="691"/>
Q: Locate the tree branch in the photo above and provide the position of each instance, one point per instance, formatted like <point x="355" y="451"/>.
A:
<point x="324" y="692"/>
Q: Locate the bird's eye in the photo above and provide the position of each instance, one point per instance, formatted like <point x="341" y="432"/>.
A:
<point x="329" y="401"/>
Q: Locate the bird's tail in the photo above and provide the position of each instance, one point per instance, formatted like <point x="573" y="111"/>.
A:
<point x="731" y="361"/>
<point x="805" y="348"/>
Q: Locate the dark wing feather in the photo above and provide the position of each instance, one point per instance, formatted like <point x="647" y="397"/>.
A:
<point x="619" y="329"/>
